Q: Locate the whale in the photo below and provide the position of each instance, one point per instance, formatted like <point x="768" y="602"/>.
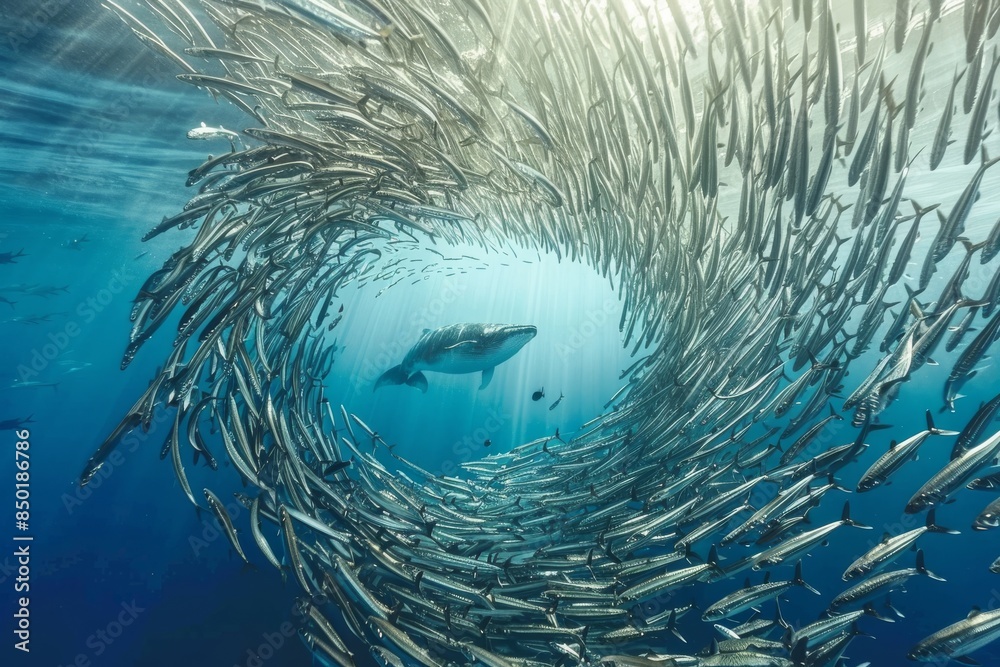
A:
<point x="458" y="349"/>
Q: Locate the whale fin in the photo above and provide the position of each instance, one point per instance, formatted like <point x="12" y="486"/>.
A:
<point x="395" y="375"/>
<point x="487" y="376"/>
<point x="418" y="380"/>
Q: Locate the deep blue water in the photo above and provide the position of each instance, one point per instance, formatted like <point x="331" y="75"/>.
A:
<point x="88" y="151"/>
<point x="92" y="145"/>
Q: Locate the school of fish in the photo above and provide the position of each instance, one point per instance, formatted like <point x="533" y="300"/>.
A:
<point x="737" y="170"/>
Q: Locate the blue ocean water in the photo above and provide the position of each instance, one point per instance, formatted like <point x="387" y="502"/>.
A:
<point x="87" y="152"/>
<point x="92" y="133"/>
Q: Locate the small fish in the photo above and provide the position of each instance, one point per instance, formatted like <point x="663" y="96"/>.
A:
<point x="556" y="404"/>
<point x="12" y="424"/>
<point x="34" y="384"/>
<point x="538" y="395"/>
<point x="219" y="510"/>
<point x="75" y="244"/>
<point x="11" y="257"/>
<point x="954" y="475"/>
<point x="205" y="133"/>
<point x="989" y="517"/>
<point x="955" y="641"/>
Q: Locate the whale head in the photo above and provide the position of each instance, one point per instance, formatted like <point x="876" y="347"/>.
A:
<point x="504" y="340"/>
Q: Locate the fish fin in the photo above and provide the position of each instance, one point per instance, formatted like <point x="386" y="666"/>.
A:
<point x="418" y="380"/>
<point x="965" y="660"/>
<point x="487" y="376"/>
<point x="778" y="619"/>
<point x="922" y="569"/>
<point x="932" y="526"/>
<point x="395" y="375"/>
<point x="845" y="517"/>
<point x="888" y="605"/>
<point x="725" y="632"/>
<point x="799" y="651"/>
<point x="975" y="611"/>
<point x="672" y="626"/>
<point x="713" y="557"/>
<point x="799" y="581"/>
<point x="833" y="482"/>
<point x="869" y="609"/>
<point x="857" y="632"/>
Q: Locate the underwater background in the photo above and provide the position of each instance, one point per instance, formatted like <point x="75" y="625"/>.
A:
<point x="93" y="147"/>
<point x="93" y="153"/>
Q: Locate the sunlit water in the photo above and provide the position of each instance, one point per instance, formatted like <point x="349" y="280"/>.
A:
<point x="92" y="138"/>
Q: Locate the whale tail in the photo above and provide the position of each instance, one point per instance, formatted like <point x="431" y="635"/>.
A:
<point x="396" y="375"/>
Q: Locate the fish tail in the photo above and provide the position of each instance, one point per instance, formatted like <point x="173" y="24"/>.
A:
<point x="799" y="581"/>
<point x="933" y="430"/>
<point x="922" y="569"/>
<point x="799" y="652"/>
<point x="932" y="526"/>
<point x="845" y="517"/>
<point x="869" y="610"/>
<point x="778" y="618"/>
<point x="394" y="375"/>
